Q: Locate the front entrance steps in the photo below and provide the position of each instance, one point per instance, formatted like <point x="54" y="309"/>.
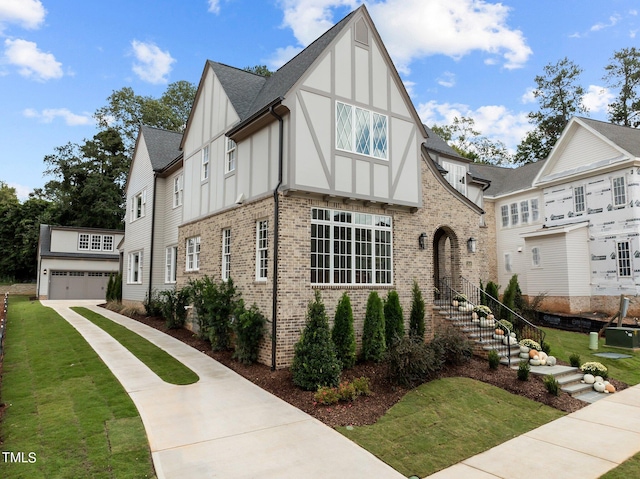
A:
<point x="569" y="378"/>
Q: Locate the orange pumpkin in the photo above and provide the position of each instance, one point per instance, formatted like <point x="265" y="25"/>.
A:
<point x="533" y="353"/>
<point x="499" y="332"/>
<point x="610" y="388"/>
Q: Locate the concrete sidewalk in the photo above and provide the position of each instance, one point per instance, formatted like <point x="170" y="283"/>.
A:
<point x="223" y="426"/>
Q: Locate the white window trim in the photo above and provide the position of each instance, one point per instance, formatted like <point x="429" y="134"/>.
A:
<point x="226" y="254"/>
<point x="231" y="156"/>
<point x="514" y="215"/>
<point x="104" y="242"/>
<point x="456" y="175"/>
<point x="171" y="260"/>
<point x="262" y="273"/>
<point x="630" y="259"/>
<point x="204" y="174"/>
<point x="353" y="131"/>
<point x="130" y="269"/>
<point x="584" y="200"/>
<point x="535" y="264"/>
<point x="613" y="191"/>
<point x="505" y="209"/>
<point x="87" y="241"/>
<point x="532" y="210"/>
<point x="178" y="190"/>
<point x="96" y="240"/>
<point x="508" y="262"/>
<point x="142" y="196"/>
<point x="192" y="254"/>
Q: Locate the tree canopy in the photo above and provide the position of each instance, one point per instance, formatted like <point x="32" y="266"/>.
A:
<point x="623" y="74"/>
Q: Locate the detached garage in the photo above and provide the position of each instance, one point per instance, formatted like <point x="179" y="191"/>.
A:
<point x="75" y="263"/>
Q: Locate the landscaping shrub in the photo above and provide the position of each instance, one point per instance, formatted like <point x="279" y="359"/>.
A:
<point x="523" y="370"/>
<point x="342" y="334"/>
<point x="452" y="346"/>
<point x="546" y="348"/>
<point x="373" y="331"/>
<point x="508" y="298"/>
<point x="493" y="289"/>
<point x="574" y="360"/>
<point x="315" y="363"/>
<point x="109" y="294"/>
<point x="248" y="327"/>
<point x="173" y="307"/>
<point x="114" y="288"/>
<point x="494" y="359"/>
<point x="595" y="368"/>
<point x="362" y="386"/>
<point x="551" y="383"/>
<point x="347" y="391"/>
<point x="411" y="363"/>
<point x="393" y="318"/>
<point x="483" y="295"/>
<point x="326" y="396"/>
<point x="416" y="318"/>
<point x="152" y="304"/>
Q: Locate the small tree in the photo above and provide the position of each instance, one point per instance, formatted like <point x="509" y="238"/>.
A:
<point x="343" y="334"/>
<point x="393" y="318"/>
<point x="173" y="307"/>
<point x="249" y="329"/>
<point x="416" y="319"/>
<point x="110" y="295"/>
<point x="373" y="332"/>
<point x="315" y="362"/>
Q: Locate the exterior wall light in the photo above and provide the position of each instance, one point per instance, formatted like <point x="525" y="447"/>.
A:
<point x="45" y="271"/>
<point x="421" y="239"/>
<point x="471" y="245"/>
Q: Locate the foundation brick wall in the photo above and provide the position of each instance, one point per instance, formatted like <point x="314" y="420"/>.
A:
<point x="440" y="210"/>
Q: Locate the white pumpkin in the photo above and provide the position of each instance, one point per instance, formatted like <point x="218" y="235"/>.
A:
<point x="524" y="355"/>
<point x="462" y="308"/>
<point x="469" y="307"/>
<point x="513" y="335"/>
<point x="534" y="362"/>
<point x="551" y="361"/>
<point x="589" y="379"/>
<point x="455" y="303"/>
<point x="490" y="316"/>
<point x="474" y="315"/>
<point x="524" y="349"/>
<point x="542" y="355"/>
<point x="543" y="362"/>
<point x="509" y="340"/>
<point x="599" y="379"/>
<point x="599" y="387"/>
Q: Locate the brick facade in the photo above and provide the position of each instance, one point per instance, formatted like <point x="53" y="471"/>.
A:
<point x="441" y="211"/>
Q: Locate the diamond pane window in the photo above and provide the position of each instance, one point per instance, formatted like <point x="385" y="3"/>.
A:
<point x="344" y="126"/>
<point x="363" y="127"/>
<point x="379" y="136"/>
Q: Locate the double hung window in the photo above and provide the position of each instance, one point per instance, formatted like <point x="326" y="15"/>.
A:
<point x="193" y="253"/>
<point x="262" y="233"/>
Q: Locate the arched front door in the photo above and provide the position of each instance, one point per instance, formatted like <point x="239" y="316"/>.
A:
<point x="446" y="258"/>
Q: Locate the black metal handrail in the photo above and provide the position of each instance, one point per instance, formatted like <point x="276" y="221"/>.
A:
<point x="475" y="296"/>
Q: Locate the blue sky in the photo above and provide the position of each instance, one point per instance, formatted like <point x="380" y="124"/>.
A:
<point x="60" y="60"/>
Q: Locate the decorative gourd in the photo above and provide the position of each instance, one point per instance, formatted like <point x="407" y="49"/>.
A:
<point x="490" y="316"/>
<point x="543" y="362"/>
<point x="469" y="307"/>
<point x="474" y="315"/>
<point x="533" y="354"/>
<point x="499" y="332"/>
<point x="513" y="335"/>
<point x="455" y="303"/>
<point x="599" y="379"/>
<point x="509" y="340"/>
<point x="551" y="361"/>
<point x="534" y="362"/>
<point x="524" y="349"/>
<point x="462" y="308"/>
<point x="599" y="387"/>
<point x="589" y="379"/>
<point x="524" y="355"/>
<point x="610" y="388"/>
<point x="542" y="355"/>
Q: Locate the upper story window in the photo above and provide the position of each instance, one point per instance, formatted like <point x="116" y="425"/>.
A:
<point x="524" y="211"/>
<point x="579" y="204"/>
<point x="456" y="176"/>
<point x="520" y="212"/>
<point x="504" y="213"/>
<point x="193" y="253"/>
<point x="139" y="205"/>
<point x="361" y="131"/>
<point x="95" y="242"/>
<point x="83" y="241"/>
<point x="619" y="192"/>
<point x="231" y="150"/>
<point x="178" y="188"/>
<point x="107" y="242"/>
<point x="514" y="214"/>
<point x="205" y="163"/>
<point x="226" y="254"/>
<point x="535" y="212"/>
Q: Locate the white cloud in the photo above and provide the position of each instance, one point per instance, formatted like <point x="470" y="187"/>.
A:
<point x="447" y="79"/>
<point x="214" y="6"/>
<point x="528" y="96"/>
<point x="597" y="98"/>
<point x="50" y="114"/>
<point x="613" y="20"/>
<point x="26" y="13"/>
<point x="417" y="28"/>
<point x="282" y="56"/>
<point x="32" y="62"/>
<point x="22" y="191"/>
<point x="153" y="65"/>
<point x="495" y="122"/>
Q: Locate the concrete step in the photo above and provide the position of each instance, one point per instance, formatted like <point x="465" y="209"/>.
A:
<point x="567" y="379"/>
<point x="577" y="389"/>
<point x="591" y="396"/>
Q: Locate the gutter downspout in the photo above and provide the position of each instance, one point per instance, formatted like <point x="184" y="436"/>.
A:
<point x="153" y="228"/>
<point x="276" y="220"/>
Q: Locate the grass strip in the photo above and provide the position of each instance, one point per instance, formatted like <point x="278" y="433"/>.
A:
<point x="66" y="415"/>
<point x="168" y="368"/>
<point x="446" y="421"/>
<point x="565" y="343"/>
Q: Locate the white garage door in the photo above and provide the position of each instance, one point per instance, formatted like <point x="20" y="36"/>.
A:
<point x="78" y="284"/>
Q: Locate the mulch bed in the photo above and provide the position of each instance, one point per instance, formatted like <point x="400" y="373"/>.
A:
<point x="367" y="410"/>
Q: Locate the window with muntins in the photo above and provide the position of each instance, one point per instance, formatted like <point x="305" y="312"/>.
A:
<point x="139" y="205"/>
<point x="96" y="242"/>
<point x="535" y="213"/>
<point x="107" y="243"/>
<point x="624" y="259"/>
<point x="619" y="192"/>
<point x="226" y="254"/>
<point x="134" y="275"/>
<point x="350" y="248"/>
<point x="83" y="241"/>
<point x="524" y="211"/>
<point x="193" y="253"/>
<point x="262" y="231"/>
<point x="535" y="256"/>
<point x="504" y="211"/>
<point x="230" y="164"/>
<point x="456" y="176"/>
<point x="205" y="163"/>
<point x="361" y="131"/>
<point x="171" y="258"/>
<point x="579" y="204"/>
<point x="514" y="214"/>
<point x="178" y="188"/>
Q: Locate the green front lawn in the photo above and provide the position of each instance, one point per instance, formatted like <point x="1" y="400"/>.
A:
<point x="446" y="421"/>
<point x="64" y="405"/>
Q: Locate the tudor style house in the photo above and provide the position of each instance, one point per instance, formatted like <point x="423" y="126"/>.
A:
<point x="317" y="177"/>
<point x="569" y="226"/>
<point x="75" y="263"/>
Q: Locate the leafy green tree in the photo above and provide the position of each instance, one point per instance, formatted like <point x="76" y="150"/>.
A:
<point x="623" y="74"/>
<point x="125" y="111"/>
<point x="373" y="331"/>
<point x="315" y="363"/>
<point x="261" y="70"/>
<point x="393" y="318"/>
<point x="416" y="318"/>
<point x="343" y="334"/>
<point x="560" y="97"/>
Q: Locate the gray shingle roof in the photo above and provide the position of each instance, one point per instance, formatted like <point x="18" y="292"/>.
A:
<point x="163" y="146"/>
<point x="506" y="180"/>
<point x="625" y="137"/>
<point x="241" y="86"/>
<point x="436" y="143"/>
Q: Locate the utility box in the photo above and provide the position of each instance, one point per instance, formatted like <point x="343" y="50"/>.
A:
<point x="623" y="337"/>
